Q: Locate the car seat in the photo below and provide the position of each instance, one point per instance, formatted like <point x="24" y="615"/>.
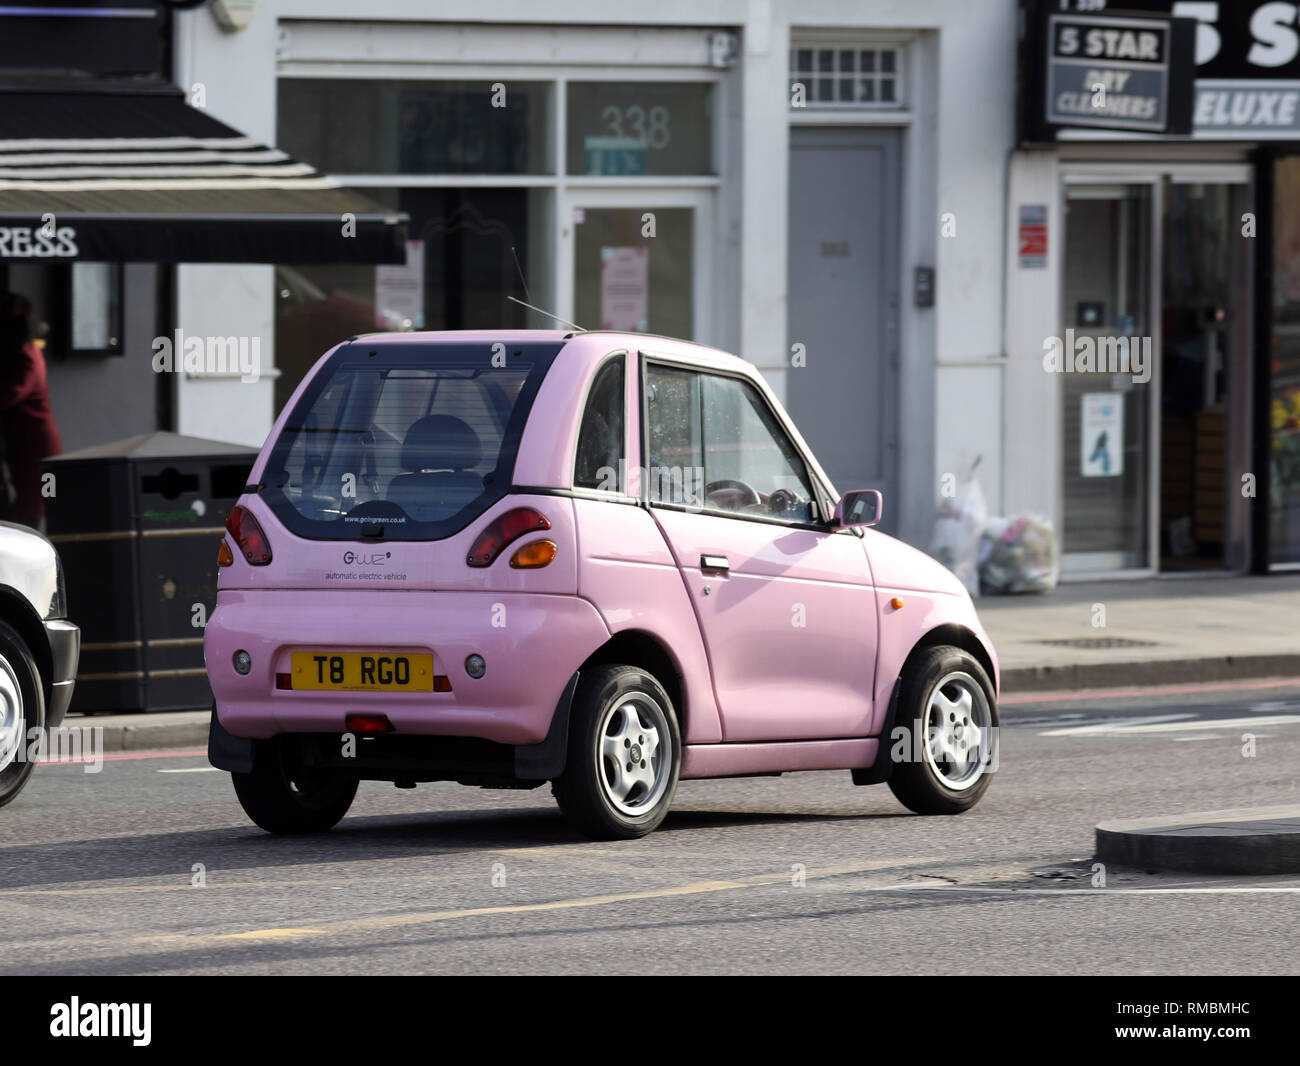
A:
<point x="439" y="454"/>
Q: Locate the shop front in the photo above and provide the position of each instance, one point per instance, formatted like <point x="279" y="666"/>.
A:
<point x="587" y="189"/>
<point x="110" y="177"/>
<point x="1278" y="372"/>
<point x="1147" y="306"/>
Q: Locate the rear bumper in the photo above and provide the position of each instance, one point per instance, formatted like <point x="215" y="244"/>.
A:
<point x="532" y="643"/>
<point x="65" y="650"/>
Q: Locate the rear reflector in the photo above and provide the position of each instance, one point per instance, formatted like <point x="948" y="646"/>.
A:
<point x="505" y="528"/>
<point x="284" y="681"/>
<point x="248" y="536"/>
<point x="369" y="723"/>
<point x="441" y="683"/>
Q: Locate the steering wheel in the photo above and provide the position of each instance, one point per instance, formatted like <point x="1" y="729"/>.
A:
<point x="749" y="492"/>
<point x="783" y="500"/>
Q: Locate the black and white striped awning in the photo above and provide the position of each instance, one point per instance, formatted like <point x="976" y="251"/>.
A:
<point x="144" y="177"/>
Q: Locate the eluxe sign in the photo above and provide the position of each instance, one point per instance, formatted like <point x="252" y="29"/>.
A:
<point x="1118" y="73"/>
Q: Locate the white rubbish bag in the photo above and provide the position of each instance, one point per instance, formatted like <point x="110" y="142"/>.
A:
<point x="1019" y="555"/>
<point x="957" y="531"/>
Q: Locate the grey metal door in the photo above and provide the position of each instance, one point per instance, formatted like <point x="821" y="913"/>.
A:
<point x="843" y="302"/>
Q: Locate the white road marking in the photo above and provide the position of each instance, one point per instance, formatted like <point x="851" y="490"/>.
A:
<point x="1168" y="724"/>
<point x="191" y="770"/>
<point x="1225" y="890"/>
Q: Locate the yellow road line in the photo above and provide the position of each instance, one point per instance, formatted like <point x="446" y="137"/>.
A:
<point x="397" y="921"/>
<point x="345" y="926"/>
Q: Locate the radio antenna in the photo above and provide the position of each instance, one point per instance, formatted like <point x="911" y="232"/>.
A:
<point x="522" y="280"/>
<point x="547" y="314"/>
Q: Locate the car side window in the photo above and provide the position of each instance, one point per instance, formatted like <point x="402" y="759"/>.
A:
<point x="601" y="438"/>
<point x="751" y="466"/>
<point x="675" y="457"/>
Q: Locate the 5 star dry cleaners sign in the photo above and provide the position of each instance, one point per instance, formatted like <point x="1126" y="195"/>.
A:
<point x="1243" y="82"/>
<point x="1119" y="73"/>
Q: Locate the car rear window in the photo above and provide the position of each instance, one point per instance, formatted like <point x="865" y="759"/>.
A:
<point x="403" y="441"/>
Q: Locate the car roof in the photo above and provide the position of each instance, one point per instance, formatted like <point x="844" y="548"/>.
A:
<point x="597" y="342"/>
<point x="465" y="336"/>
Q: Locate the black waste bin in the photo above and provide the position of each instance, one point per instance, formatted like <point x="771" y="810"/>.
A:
<point x="138" y="523"/>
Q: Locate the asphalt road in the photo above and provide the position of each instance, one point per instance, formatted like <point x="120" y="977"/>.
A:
<point x="98" y="871"/>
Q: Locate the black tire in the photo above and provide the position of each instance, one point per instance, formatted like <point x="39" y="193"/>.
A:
<point x="600" y="710"/>
<point x="22" y="709"/>
<point x="914" y="780"/>
<point x="283" y="798"/>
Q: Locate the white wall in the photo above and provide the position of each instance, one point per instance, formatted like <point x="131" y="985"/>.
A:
<point x="976" y="131"/>
<point x="1031" y="428"/>
<point x="959" y="130"/>
<point x="237" y="75"/>
<point x="105" y="398"/>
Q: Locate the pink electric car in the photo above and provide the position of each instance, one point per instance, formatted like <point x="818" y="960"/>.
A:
<point x="603" y="560"/>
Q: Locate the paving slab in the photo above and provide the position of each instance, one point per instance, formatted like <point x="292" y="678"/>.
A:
<point x="1158" y="631"/>
<point x="1256" y="840"/>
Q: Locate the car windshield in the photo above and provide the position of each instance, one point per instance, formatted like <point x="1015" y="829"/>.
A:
<point x="404" y="441"/>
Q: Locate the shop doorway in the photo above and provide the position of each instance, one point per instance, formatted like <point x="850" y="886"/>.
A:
<point x="1106" y="370"/>
<point x="1204" y="381"/>
<point x="1156" y="338"/>
<point x="638" y="261"/>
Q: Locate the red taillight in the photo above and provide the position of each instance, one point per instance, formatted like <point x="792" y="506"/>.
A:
<point x="369" y="723"/>
<point x="504" y="528"/>
<point x="248" y="535"/>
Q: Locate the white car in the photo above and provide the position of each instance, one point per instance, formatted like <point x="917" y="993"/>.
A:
<point x="39" y="649"/>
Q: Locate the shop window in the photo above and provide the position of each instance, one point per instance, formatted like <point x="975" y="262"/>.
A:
<point x="381" y="126"/>
<point x="635" y="128"/>
<point x="469" y="249"/>
<point x="830" y="75"/>
<point x="95" y="299"/>
<point x="1284" y="368"/>
<point x="78" y="305"/>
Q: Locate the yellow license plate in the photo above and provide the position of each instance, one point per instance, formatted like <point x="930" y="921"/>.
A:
<point x="362" y="671"/>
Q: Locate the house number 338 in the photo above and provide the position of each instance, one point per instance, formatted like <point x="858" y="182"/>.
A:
<point x="651" y="128"/>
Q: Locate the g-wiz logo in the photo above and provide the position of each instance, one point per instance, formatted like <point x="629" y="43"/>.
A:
<point x="103" y="1019"/>
<point x="351" y="558"/>
<point x="38" y="242"/>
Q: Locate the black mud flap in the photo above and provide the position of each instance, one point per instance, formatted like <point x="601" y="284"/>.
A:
<point x="545" y="761"/>
<point x="227" y="752"/>
<point x="879" y="773"/>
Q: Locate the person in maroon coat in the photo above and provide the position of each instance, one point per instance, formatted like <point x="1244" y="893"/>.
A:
<point x="30" y="434"/>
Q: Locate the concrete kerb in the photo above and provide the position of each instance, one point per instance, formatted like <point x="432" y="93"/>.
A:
<point x="1259" y="841"/>
<point x="1149" y="672"/>
<point x="146" y="732"/>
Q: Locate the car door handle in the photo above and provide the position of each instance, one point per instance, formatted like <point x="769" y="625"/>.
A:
<point x="714" y="564"/>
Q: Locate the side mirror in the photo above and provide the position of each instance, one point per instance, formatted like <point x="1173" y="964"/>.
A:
<point x="861" y="507"/>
